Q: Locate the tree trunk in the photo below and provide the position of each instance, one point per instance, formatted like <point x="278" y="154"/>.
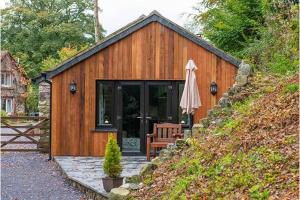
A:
<point x="97" y="24"/>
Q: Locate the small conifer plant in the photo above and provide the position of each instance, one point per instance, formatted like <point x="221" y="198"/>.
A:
<point x="112" y="163"/>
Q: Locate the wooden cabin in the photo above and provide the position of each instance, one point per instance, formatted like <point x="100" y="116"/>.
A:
<point x="130" y="80"/>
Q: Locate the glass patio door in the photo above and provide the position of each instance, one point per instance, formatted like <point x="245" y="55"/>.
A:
<point x="131" y="117"/>
<point x="140" y="104"/>
<point x="158" y="103"/>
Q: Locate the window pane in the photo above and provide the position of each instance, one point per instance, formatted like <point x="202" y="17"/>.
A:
<point x="183" y="118"/>
<point x="7" y="79"/>
<point x="9" y="105"/>
<point x="105" y="103"/>
<point x="3" y="104"/>
<point x="2" y="79"/>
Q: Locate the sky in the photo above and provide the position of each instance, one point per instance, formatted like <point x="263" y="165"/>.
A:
<point x="117" y="13"/>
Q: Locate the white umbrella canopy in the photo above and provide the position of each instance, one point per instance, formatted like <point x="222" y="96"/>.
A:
<point x="190" y="99"/>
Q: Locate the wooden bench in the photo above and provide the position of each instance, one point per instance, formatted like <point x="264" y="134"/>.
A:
<point x="163" y="134"/>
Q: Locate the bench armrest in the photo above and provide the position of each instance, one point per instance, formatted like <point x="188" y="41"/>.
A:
<point x="150" y="135"/>
<point x="180" y="135"/>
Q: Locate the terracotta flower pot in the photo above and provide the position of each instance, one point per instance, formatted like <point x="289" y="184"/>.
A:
<point x="110" y="183"/>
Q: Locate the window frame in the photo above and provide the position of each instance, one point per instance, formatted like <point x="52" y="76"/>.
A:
<point x="8" y="99"/>
<point x="186" y="124"/>
<point x="112" y="125"/>
<point x="5" y="84"/>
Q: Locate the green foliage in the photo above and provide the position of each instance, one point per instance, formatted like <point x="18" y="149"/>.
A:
<point x="243" y="107"/>
<point x="32" y="99"/>
<point x="148" y="180"/>
<point x="230" y="24"/>
<point x="63" y="54"/>
<point x="3" y="113"/>
<point x="180" y="186"/>
<point x="227" y="127"/>
<point x="290" y="139"/>
<point x="256" y="194"/>
<point x="263" y="32"/>
<point x="36" y="30"/>
<point x="292" y="88"/>
<point x="112" y="163"/>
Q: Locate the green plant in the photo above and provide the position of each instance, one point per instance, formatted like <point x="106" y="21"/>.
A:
<point x="3" y="113"/>
<point x="292" y="88"/>
<point x="112" y="163"/>
<point x="32" y="99"/>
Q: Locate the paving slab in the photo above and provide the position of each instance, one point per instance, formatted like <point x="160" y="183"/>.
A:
<point x="88" y="171"/>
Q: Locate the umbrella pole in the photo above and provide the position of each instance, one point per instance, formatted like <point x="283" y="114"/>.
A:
<point x="191" y="117"/>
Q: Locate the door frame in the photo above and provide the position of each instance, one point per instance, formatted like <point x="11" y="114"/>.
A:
<point x="172" y="110"/>
<point x="169" y="100"/>
<point x="119" y="115"/>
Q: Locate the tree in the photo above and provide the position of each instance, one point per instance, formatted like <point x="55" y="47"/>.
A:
<point x="97" y="23"/>
<point x="264" y="32"/>
<point x="65" y="53"/>
<point x="112" y="163"/>
<point x="230" y="24"/>
<point x="34" y="30"/>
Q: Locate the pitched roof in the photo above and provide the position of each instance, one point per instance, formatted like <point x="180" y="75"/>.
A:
<point x="142" y="21"/>
<point x="15" y="64"/>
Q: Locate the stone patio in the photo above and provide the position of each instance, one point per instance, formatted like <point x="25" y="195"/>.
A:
<point x="88" y="171"/>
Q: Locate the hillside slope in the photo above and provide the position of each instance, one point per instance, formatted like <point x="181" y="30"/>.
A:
<point x="246" y="151"/>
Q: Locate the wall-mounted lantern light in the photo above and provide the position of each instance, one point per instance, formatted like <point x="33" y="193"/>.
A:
<point x="73" y="87"/>
<point x="213" y="88"/>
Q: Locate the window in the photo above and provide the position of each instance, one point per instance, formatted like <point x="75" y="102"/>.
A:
<point x="6" y="79"/>
<point x="105" y="103"/>
<point x="6" y="105"/>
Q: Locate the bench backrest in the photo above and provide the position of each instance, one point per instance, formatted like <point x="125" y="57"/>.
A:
<point x="165" y="132"/>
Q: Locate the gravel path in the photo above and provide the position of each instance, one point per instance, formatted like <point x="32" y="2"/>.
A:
<point x="30" y="176"/>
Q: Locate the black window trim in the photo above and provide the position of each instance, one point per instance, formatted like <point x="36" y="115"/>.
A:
<point x="112" y="126"/>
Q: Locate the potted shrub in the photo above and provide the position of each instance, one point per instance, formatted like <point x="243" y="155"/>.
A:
<point x="112" y="165"/>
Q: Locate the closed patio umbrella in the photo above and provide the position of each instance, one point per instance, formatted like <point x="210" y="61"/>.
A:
<point x="190" y="99"/>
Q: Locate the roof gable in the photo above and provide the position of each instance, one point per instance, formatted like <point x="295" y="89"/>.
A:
<point x="141" y="22"/>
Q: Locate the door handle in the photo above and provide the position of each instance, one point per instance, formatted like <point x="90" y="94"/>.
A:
<point x="148" y="117"/>
<point x="139" y="117"/>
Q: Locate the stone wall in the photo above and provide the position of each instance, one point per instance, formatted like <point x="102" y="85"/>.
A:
<point x="44" y="111"/>
<point x="241" y="79"/>
<point x="44" y="99"/>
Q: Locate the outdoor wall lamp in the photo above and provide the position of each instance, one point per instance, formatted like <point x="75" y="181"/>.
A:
<point x="213" y="88"/>
<point x="73" y="87"/>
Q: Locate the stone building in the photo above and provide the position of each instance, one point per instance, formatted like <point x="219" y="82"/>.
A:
<point x="13" y="85"/>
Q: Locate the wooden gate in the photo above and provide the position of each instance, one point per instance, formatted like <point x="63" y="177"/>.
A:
<point x="25" y="134"/>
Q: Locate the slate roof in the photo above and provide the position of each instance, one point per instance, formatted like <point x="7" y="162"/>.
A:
<point x="139" y="23"/>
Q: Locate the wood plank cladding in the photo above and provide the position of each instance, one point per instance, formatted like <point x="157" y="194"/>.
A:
<point x="154" y="52"/>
